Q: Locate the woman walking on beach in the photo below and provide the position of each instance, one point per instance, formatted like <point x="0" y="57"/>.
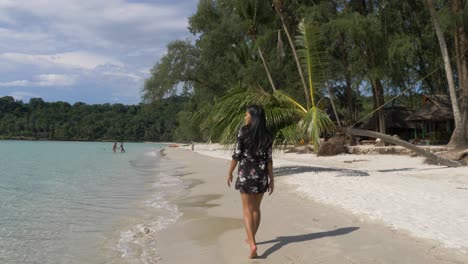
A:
<point x="255" y="174"/>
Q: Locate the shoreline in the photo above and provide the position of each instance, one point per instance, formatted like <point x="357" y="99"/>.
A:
<point x="294" y="229"/>
<point x="134" y="237"/>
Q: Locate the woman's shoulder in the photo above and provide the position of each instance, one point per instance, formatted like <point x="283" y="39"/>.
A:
<point x="244" y="130"/>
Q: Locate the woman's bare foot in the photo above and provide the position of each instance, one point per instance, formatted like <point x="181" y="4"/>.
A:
<point x="253" y="252"/>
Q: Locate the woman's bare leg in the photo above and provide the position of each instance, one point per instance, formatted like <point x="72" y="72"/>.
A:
<point x="247" y="203"/>
<point x="256" y="213"/>
<point x="257" y="199"/>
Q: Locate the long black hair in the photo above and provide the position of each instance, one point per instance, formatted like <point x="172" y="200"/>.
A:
<point x="259" y="136"/>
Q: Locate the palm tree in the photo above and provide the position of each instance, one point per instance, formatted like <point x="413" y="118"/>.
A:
<point x="458" y="137"/>
<point x="314" y="120"/>
<point x="279" y="7"/>
<point x="280" y="10"/>
<point x="290" y="120"/>
<point x="253" y="12"/>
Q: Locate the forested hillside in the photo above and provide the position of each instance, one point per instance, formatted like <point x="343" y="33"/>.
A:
<point x="62" y="121"/>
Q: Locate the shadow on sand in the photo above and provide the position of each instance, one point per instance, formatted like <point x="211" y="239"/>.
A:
<point x="288" y="170"/>
<point x="286" y="240"/>
<point x="394" y="170"/>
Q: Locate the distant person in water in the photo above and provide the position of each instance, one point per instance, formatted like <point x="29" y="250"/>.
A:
<point x="193" y="146"/>
<point x="255" y="175"/>
<point x="122" y="148"/>
<point x="114" y="148"/>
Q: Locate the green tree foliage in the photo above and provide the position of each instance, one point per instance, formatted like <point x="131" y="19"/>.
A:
<point x="174" y="73"/>
<point x="61" y="121"/>
<point x="375" y="49"/>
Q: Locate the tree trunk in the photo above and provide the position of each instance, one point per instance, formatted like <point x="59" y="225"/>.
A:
<point x="461" y="46"/>
<point x="399" y="142"/>
<point x="465" y="113"/>
<point x="375" y="105"/>
<point x="458" y="58"/>
<point x="378" y="98"/>
<point x="458" y="139"/>
<point x="349" y="97"/>
<point x="279" y="11"/>
<point x="379" y="94"/>
<point x="267" y="70"/>
<point x="349" y="102"/>
<point x="332" y="100"/>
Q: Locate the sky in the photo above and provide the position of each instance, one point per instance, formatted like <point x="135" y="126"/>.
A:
<point x="92" y="51"/>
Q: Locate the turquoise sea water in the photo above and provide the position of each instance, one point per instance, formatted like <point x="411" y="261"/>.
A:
<point x="69" y="202"/>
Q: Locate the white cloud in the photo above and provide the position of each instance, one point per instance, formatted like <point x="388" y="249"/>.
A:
<point x="55" y="80"/>
<point x="43" y="80"/>
<point x="132" y="76"/>
<point x="22" y="36"/>
<point x="77" y="59"/>
<point x="18" y="83"/>
<point x="95" y="48"/>
<point x="94" y="23"/>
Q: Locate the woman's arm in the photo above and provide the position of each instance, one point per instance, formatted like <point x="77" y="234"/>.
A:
<point x="271" y="184"/>
<point x="231" y="170"/>
<point x="236" y="156"/>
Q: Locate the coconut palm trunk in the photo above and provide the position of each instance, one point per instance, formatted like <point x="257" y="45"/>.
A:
<point x="279" y="10"/>
<point x="332" y="100"/>
<point x="461" y="51"/>
<point x="267" y="70"/>
<point x="405" y="144"/>
<point x="458" y="139"/>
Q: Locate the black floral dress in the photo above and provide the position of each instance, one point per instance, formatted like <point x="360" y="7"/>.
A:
<point x="252" y="176"/>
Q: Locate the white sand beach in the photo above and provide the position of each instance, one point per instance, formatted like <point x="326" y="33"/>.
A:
<point x="401" y="191"/>
<point x="342" y="209"/>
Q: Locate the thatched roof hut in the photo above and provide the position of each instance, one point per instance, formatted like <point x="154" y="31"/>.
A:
<point x="434" y="108"/>
<point x="395" y="118"/>
<point x="434" y="119"/>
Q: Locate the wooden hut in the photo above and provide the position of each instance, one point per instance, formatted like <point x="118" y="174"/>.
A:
<point x="434" y="120"/>
<point x="395" y="121"/>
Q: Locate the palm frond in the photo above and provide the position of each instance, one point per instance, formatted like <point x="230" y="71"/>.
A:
<point x="314" y="124"/>
<point x="313" y="61"/>
<point x="280" y="116"/>
<point x="225" y="117"/>
<point x="288" y="135"/>
<point x="283" y="97"/>
<point x="244" y="53"/>
<point x="223" y="120"/>
<point x="256" y="12"/>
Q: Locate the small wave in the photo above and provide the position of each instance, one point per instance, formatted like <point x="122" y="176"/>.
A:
<point x="166" y="180"/>
<point x="139" y="243"/>
<point x="152" y="154"/>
